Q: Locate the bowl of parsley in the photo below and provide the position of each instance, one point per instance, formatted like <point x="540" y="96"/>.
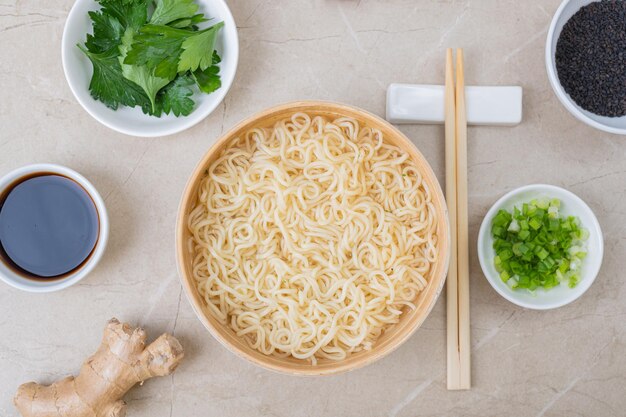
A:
<point x="147" y="68"/>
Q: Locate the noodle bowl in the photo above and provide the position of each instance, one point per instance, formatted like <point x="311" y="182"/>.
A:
<point x="313" y="239"/>
<point x="311" y="236"/>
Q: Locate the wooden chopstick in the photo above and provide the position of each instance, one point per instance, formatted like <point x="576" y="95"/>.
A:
<point x="462" y="226"/>
<point x="452" y="314"/>
<point x="457" y="286"/>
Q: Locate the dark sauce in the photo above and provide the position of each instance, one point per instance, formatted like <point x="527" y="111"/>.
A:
<point x="49" y="226"/>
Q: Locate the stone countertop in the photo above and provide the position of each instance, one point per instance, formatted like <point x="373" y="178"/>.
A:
<point x="566" y="362"/>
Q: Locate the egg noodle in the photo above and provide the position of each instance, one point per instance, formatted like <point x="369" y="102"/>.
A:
<point x="310" y="237"/>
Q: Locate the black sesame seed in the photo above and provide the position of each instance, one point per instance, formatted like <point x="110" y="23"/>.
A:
<point x="591" y="57"/>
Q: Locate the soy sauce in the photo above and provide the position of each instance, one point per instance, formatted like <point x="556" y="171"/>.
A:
<point x="49" y="226"/>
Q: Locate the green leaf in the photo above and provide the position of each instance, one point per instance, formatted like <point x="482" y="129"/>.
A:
<point x="156" y="111"/>
<point x="107" y="32"/>
<point x="181" y="24"/>
<point x="140" y="75"/>
<point x="188" y="23"/>
<point x="158" y="47"/>
<point x="169" y="10"/>
<point x="198" y="49"/>
<point x="167" y="68"/>
<point x="175" y="97"/>
<point x="130" y="13"/>
<point x="109" y="85"/>
<point x="171" y="51"/>
<point x="209" y="79"/>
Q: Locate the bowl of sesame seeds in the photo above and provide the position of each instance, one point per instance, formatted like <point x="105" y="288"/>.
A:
<point x="586" y="61"/>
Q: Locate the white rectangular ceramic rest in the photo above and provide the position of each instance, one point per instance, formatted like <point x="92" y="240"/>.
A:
<point x="413" y="103"/>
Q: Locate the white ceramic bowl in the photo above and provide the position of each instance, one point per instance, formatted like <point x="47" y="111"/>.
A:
<point x="17" y="280"/>
<point x="567" y="9"/>
<point x="132" y="121"/>
<point x="570" y="205"/>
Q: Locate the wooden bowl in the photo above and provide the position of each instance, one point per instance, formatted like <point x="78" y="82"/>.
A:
<point x="410" y="319"/>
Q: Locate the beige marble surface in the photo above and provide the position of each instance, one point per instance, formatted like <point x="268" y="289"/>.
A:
<point x="567" y="362"/>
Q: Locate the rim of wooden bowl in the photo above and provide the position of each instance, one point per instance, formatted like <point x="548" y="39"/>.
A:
<point x="410" y="320"/>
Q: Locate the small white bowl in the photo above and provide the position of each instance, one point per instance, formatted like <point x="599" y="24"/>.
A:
<point x="559" y="295"/>
<point x="567" y="9"/>
<point x="19" y="281"/>
<point x="132" y="121"/>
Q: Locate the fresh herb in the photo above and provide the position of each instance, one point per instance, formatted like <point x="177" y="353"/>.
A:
<point x="140" y="75"/>
<point x="107" y="32"/>
<point x="130" y="13"/>
<point x="209" y="80"/>
<point x="536" y="247"/>
<point x="168" y="11"/>
<point x="151" y="61"/>
<point x="176" y="96"/>
<point x="170" y="51"/>
<point x="198" y="49"/>
<point x="108" y="83"/>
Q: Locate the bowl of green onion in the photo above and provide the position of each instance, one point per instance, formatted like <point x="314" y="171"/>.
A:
<point x="540" y="246"/>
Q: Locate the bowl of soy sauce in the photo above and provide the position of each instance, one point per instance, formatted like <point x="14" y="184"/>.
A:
<point x="53" y="227"/>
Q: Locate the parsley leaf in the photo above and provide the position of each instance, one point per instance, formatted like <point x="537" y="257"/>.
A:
<point x="107" y="32"/>
<point x="140" y="75"/>
<point x="176" y="96"/>
<point x="157" y="47"/>
<point x="198" y="49"/>
<point x="170" y="51"/>
<point x="209" y="79"/>
<point x="156" y="111"/>
<point x="188" y="23"/>
<point x="109" y="85"/>
<point x="167" y="11"/>
<point x="130" y="13"/>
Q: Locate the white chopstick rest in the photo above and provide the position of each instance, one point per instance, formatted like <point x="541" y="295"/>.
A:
<point x="421" y="103"/>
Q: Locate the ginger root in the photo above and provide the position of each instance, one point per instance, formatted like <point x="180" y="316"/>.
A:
<point x="121" y="361"/>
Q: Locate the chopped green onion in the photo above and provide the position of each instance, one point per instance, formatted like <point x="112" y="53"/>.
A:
<point x="536" y="247"/>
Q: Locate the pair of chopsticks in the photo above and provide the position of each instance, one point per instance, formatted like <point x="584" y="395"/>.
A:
<point x="457" y="287"/>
